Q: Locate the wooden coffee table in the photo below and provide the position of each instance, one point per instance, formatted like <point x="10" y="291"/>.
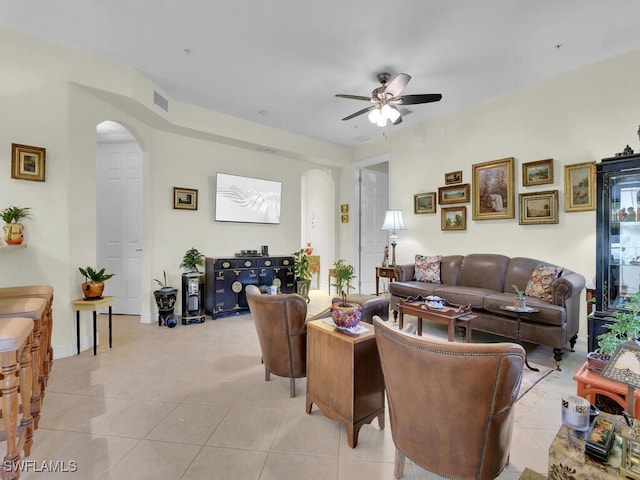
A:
<point x="344" y="376"/>
<point x="450" y="315"/>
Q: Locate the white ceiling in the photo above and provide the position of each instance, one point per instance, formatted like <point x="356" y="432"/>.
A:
<point x="280" y="62"/>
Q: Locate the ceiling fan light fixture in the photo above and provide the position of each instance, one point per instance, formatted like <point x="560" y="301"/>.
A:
<point x="393" y="114"/>
<point x="374" y="115"/>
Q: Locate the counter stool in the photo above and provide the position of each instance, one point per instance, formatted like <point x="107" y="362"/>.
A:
<point x="46" y="351"/>
<point x="371" y="305"/>
<point x="34" y="309"/>
<point x="15" y="349"/>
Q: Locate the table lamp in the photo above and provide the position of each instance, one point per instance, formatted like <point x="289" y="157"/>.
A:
<point x="624" y="367"/>
<point x="393" y="221"/>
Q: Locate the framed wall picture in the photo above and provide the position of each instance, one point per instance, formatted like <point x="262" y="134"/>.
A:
<point x="580" y="187"/>
<point x="493" y="194"/>
<point x="344" y="208"/>
<point x="537" y="173"/>
<point x="28" y="163"/>
<point x="424" y="202"/>
<point x="344" y="218"/>
<point x="185" y="198"/>
<point x="453" y="218"/>
<point x="453" y="177"/>
<point x="539" y="207"/>
<point x="454" y="194"/>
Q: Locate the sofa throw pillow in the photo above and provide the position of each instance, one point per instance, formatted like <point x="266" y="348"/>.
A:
<point x="539" y="285"/>
<point x="427" y="268"/>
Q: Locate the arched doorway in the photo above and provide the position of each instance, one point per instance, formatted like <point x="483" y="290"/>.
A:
<point x="318" y="221"/>
<point x="119" y="213"/>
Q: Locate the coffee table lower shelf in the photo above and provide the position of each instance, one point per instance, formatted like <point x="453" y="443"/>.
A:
<point x="463" y="322"/>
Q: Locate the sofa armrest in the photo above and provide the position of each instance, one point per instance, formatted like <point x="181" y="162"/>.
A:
<point x="566" y="287"/>
<point x="404" y="273"/>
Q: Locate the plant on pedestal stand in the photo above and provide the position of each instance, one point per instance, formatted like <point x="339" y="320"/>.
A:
<point x="165" y="300"/>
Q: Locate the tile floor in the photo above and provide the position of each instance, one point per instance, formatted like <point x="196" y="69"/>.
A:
<point x="191" y="403"/>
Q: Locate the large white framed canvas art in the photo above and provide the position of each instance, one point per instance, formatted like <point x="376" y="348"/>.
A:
<point x="247" y="200"/>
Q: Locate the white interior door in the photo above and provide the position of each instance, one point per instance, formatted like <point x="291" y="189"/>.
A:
<point x="119" y="205"/>
<point x="374" y="201"/>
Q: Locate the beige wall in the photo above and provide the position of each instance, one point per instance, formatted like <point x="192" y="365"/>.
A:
<point x="54" y="97"/>
<point x="582" y="116"/>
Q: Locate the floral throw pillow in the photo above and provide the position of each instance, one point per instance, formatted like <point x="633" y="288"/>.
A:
<point x="539" y="285"/>
<point x="427" y="268"/>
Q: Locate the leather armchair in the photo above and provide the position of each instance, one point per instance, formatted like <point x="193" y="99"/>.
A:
<point x="450" y="404"/>
<point x="282" y="332"/>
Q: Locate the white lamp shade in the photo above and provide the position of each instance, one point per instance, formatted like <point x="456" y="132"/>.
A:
<point x="393" y="221"/>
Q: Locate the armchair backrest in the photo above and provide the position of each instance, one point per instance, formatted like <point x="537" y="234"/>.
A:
<point x="282" y="332"/>
<point x="450" y="404"/>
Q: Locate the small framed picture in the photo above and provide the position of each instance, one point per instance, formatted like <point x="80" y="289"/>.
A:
<point x="539" y="207"/>
<point x="28" y="163"/>
<point x="580" y="187"/>
<point x="453" y="177"/>
<point x="424" y="202"/>
<point x="454" y="194"/>
<point x="344" y="218"/>
<point x="185" y="198"/>
<point x="537" y="173"/>
<point x="344" y="208"/>
<point x="453" y="218"/>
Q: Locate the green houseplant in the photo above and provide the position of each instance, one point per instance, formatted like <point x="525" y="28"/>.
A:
<point x="344" y="314"/>
<point x="191" y="260"/>
<point x="13" y="229"/>
<point x="519" y="300"/>
<point x="626" y="326"/>
<point x="302" y="273"/>
<point x="344" y="274"/>
<point x="93" y="285"/>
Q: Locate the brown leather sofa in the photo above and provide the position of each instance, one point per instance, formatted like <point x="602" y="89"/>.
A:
<point x="485" y="281"/>
<point x="282" y="332"/>
<point x="450" y="404"/>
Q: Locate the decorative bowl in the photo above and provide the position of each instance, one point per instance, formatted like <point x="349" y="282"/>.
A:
<point x="346" y="316"/>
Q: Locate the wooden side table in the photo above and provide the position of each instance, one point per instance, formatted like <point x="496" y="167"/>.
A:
<point x="591" y="295"/>
<point x="332" y="274"/>
<point x="314" y="267"/>
<point x="344" y="376"/>
<point x="92" y="305"/>
<point x="590" y="384"/>
<point x="384" y="272"/>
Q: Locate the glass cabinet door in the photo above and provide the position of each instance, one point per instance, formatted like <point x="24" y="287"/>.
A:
<point x="618" y="232"/>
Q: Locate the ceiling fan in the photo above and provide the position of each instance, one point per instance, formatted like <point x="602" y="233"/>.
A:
<point x="386" y="98"/>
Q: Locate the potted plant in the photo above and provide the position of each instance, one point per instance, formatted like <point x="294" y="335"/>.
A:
<point x="302" y="273"/>
<point x="191" y="260"/>
<point x="625" y="326"/>
<point x="166" y="298"/>
<point x="93" y="285"/>
<point x="344" y="314"/>
<point x="519" y="300"/>
<point x="13" y="229"/>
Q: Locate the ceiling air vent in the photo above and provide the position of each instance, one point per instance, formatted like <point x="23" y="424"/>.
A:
<point x="263" y="149"/>
<point x="162" y="102"/>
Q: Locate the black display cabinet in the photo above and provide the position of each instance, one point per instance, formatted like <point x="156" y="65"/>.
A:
<point x="617" y="238"/>
<point x="226" y="279"/>
<point x="193" y="297"/>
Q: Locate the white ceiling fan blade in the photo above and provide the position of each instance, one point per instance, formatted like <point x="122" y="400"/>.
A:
<point x="396" y="86"/>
